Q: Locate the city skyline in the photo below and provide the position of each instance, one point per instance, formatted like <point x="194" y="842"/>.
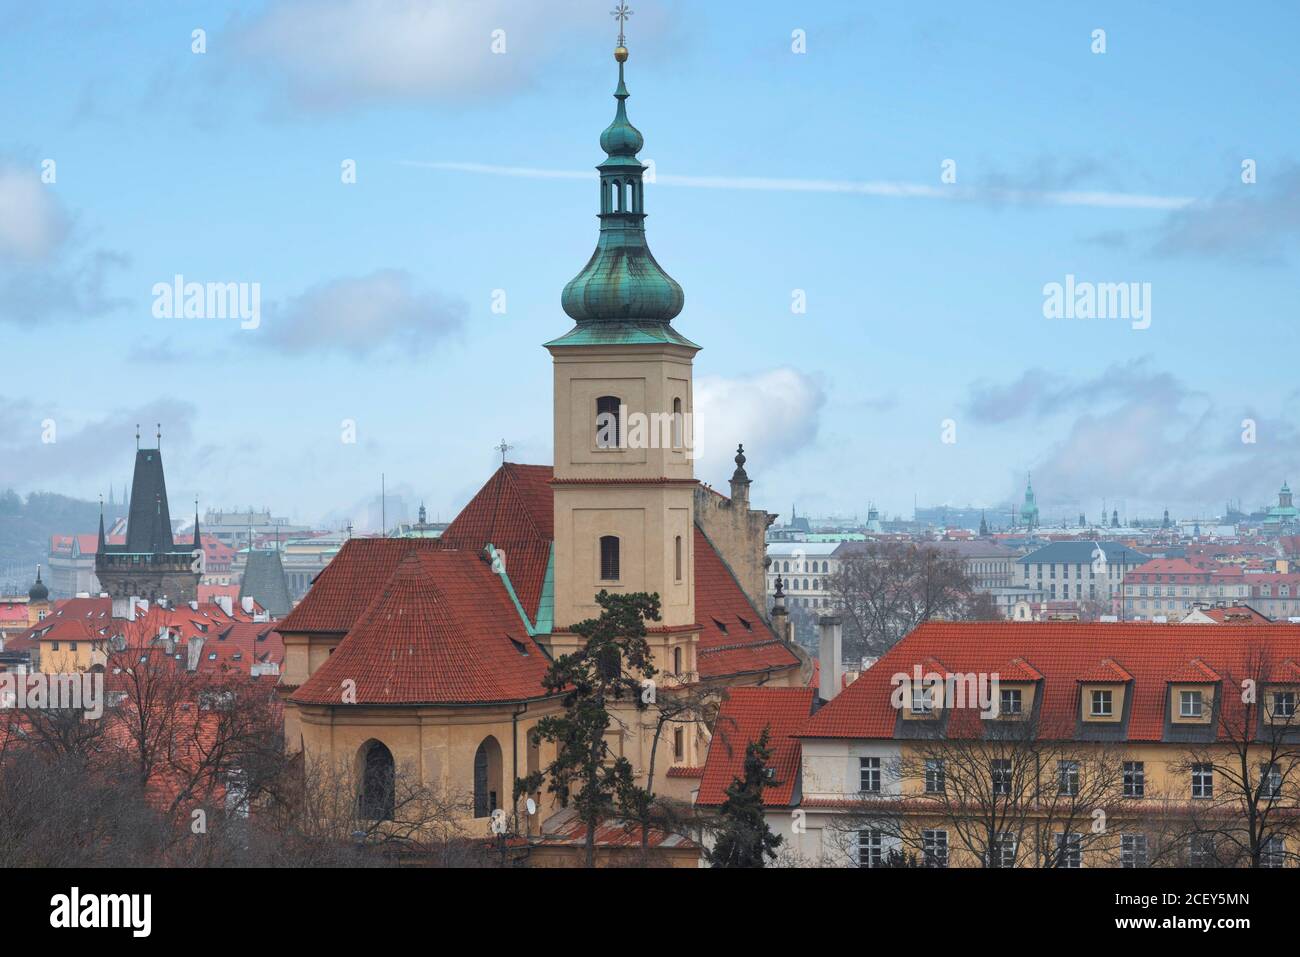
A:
<point x="924" y="298"/>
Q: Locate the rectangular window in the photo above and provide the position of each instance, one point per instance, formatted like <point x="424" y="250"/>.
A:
<point x="1189" y="704"/>
<point x="871" y="848"/>
<point x="934" y="847"/>
<point x="1009" y="701"/>
<point x="1069" y="850"/>
<point x="1067" y="778"/>
<point x="1272" y="852"/>
<point x="1000" y="771"/>
<point x="869" y="775"/>
<point x="1200" y="851"/>
<point x="679" y="744"/>
<point x="1003" y="851"/>
<point x="922" y="699"/>
<point x="1270" y="782"/>
<point x="609" y="558"/>
<point x="1133" y="850"/>
<point x="1135" y="779"/>
<point x="1101" y="704"/>
<point x="1283" y="704"/>
<point x="934" y="782"/>
<point x="1202" y="780"/>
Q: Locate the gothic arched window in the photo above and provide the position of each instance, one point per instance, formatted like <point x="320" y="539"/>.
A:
<point x="609" y="558"/>
<point x="377" y="782"/>
<point x="677" y="558"/>
<point x="607" y="422"/>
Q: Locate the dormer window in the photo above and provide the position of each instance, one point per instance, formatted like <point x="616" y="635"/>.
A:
<point x="1102" y="703"/>
<point x="1009" y="701"/>
<point x="607" y="422"/>
<point x="1283" y="704"/>
<point x="1190" y="704"/>
<point x="922" y="700"/>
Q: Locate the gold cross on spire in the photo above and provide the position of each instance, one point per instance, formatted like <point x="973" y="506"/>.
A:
<point x="621" y="13"/>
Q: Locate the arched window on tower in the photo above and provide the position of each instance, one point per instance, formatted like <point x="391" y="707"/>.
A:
<point x="677" y="661"/>
<point x="487" y="777"/>
<point x="609" y="558"/>
<point x="677" y="558"/>
<point x="678" y="425"/>
<point x="377" y="782"/>
<point x="607" y="421"/>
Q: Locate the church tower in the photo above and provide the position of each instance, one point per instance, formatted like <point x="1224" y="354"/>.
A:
<point x="624" y="478"/>
<point x="1029" y="511"/>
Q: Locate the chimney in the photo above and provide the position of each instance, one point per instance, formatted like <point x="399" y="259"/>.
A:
<point x="246" y="603"/>
<point x="194" y="605"/>
<point x="194" y="653"/>
<point x="829" y="657"/>
<point x="226" y="604"/>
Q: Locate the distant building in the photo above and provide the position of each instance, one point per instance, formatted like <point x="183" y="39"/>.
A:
<point x="1083" y="570"/>
<point x="1029" y="511"/>
<point x="150" y="564"/>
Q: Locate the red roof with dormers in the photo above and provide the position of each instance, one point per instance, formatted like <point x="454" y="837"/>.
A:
<point x="1153" y="655"/>
<point x="442" y="630"/>
<point x="741" y="719"/>
<point x="734" y="639"/>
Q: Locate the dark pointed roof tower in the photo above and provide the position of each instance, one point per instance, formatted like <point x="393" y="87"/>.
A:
<point x="622" y="295"/>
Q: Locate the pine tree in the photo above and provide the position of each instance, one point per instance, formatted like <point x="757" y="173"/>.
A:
<point x="610" y="667"/>
<point x="743" y="838"/>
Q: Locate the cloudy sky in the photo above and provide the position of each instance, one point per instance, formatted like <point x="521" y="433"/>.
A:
<point x="783" y="178"/>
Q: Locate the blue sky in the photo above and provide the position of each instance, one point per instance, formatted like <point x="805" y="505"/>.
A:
<point x="1122" y="166"/>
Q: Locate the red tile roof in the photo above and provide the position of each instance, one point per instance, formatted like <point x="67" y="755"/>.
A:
<point x="1107" y="670"/>
<point x="513" y="512"/>
<point x="1153" y="654"/>
<point x="1236" y="615"/>
<point x="350" y="582"/>
<point x="735" y="639"/>
<point x="741" y="719"/>
<point x="443" y="630"/>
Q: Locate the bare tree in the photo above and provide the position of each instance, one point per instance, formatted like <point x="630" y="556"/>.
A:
<point x="886" y="589"/>
<point x="1244" y="780"/>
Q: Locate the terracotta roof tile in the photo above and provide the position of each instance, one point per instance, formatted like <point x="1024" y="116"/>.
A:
<point x="741" y="719"/>
<point x="443" y="630"/>
<point x="1154" y="655"/>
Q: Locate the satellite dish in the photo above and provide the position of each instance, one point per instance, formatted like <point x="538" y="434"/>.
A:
<point x="532" y="807"/>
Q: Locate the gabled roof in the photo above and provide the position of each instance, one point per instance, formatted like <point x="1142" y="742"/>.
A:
<point x="1153" y="655"/>
<point x="1194" y="672"/>
<point x="741" y="719"/>
<point x="350" y="582"/>
<point x="1107" y="671"/>
<point x="442" y="630"/>
<point x="1017" y="669"/>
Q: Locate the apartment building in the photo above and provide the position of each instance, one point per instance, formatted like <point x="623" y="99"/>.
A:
<point x="1092" y="744"/>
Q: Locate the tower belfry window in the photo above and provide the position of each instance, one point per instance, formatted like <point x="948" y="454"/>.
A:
<point x="609" y="558"/>
<point x="607" y="422"/>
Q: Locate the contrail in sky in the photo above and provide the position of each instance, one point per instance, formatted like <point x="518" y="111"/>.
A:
<point x="895" y="190"/>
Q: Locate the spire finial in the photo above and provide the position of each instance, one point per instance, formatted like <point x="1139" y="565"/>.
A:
<point x="158" y="436"/>
<point x="621" y="13"/>
<point x="137" y="435"/>
<point x="503" y="448"/>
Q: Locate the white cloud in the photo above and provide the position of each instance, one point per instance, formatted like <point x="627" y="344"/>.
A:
<point x="775" y="413"/>
<point x="339" y="53"/>
<point x="358" y="315"/>
<point x="32" y="226"/>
